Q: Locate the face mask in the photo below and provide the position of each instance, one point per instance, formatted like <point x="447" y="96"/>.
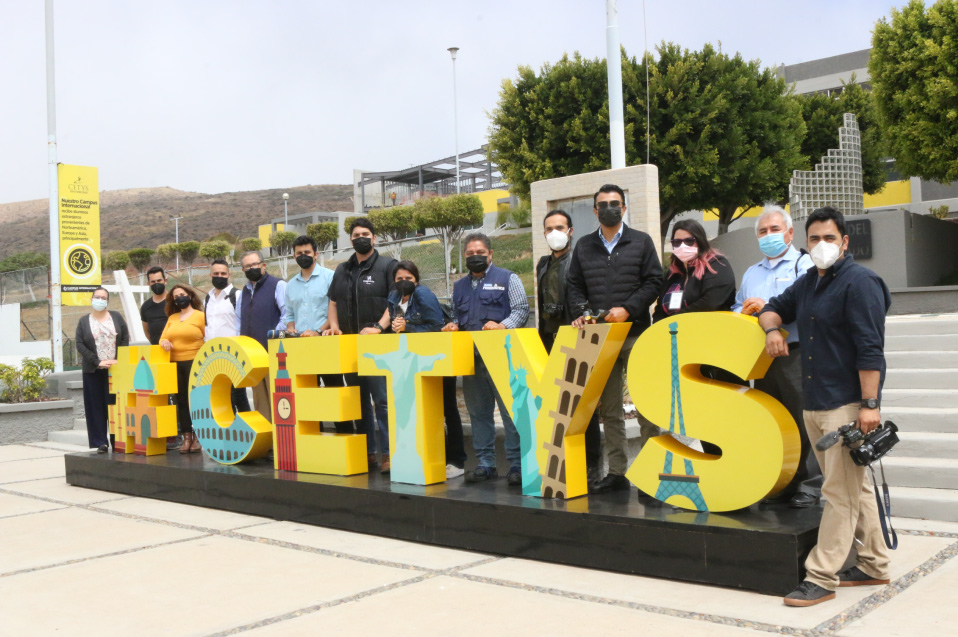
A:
<point x="158" y="288"/>
<point x="825" y="254"/>
<point x="305" y="261"/>
<point x="557" y="240"/>
<point x="477" y="263"/>
<point x="182" y="301"/>
<point x="362" y="245"/>
<point x="405" y="288"/>
<point x="610" y="217"/>
<point x="220" y="282"/>
<point x="99" y="304"/>
<point x="254" y="274"/>
<point x="772" y="245"/>
<point x="685" y="253"/>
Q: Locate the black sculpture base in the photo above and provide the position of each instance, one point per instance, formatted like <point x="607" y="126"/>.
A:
<point x="762" y="548"/>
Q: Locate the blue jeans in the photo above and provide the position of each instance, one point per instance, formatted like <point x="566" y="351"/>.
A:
<point x="481" y="397"/>
<point x="372" y="395"/>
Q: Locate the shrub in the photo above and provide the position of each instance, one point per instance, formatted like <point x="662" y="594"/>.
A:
<point x="24" y="385"/>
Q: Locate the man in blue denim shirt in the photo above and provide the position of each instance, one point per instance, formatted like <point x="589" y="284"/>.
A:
<point x="781" y="267"/>
<point x="841" y="325"/>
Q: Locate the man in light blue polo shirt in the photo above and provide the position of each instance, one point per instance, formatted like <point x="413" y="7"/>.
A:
<point x="781" y="267"/>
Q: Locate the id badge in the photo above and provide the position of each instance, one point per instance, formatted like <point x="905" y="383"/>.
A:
<point x="675" y="301"/>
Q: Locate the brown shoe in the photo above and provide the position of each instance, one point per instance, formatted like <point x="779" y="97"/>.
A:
<point x="384" y="465"/>
<point x="371" y="458"/>
<point x="187" y="441"/>
<point x="195" y="445"/>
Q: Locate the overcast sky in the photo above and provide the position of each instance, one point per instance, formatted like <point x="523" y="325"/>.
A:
<point x="217" y="95"/>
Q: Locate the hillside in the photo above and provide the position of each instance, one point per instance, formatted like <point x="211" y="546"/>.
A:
<point x="140" y="217"/>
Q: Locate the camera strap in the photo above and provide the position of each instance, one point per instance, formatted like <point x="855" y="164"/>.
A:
<point x="884" y="508"/>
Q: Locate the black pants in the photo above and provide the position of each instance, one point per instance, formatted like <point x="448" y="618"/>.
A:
<point x="184" y="423"/>
<point x="336" y="380"/>
<point x="455" y="447"/>
<point x="593" y="437"/>
<point x="240" y="400"/>
<point x="96" y="398"/>
<point x="784" y="383"/>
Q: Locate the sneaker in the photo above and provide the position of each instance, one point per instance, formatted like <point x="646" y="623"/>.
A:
<point x="514" y="477"/>
<point x="481" y="474"/>
<point x="452" y="471"/>
<point x="611" y="482"/>
<point x="854" y="576"/>
<point x="808" y="594"/>
<point x="174" y="442"/>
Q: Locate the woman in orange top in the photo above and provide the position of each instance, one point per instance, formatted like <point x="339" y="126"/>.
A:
<point x="182" y="338"/>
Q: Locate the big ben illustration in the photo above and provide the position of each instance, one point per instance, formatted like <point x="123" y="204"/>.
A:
<point x="284" y="416"/>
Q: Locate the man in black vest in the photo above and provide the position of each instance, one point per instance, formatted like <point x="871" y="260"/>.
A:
<point x="357" y="305"/>
<point x="615" y="269"/>
<point x="554" y="312"/>
<point x="488" y="298"/>
<point x="260" y="307"/>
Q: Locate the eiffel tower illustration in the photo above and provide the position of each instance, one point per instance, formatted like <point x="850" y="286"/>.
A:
<point x="674" y="483"/>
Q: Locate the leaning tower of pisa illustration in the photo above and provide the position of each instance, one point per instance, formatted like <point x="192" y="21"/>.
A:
<point x="836" y="180"/>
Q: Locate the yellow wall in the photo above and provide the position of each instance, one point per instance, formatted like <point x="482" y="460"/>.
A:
<point x="267" y="229"/>
<point x="489" y="199"/>
<point x="894" y="193"/>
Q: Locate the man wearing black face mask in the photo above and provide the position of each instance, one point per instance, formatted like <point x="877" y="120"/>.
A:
<point x="616" y="269"/>
<point x="358" y="305"/>
<point x="153" y="310"/>
<point x="260" y="307"/>
<point x="219" y="307"/>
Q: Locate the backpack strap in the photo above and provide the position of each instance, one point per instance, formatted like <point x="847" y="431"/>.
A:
<point x="801" y="251"/>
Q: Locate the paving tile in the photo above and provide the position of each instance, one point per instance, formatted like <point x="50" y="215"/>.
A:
<point x="446" y="605"/>
<point x="36" y="469"/>
<point x="58" y="489"/>
<point x="370" y="546"/>
<point x="16" y="505"/>
<point x="725" y="602"/>
<point x="926" y="608"/>
<point x="57" y="536"/>
<point x="213" y="583"/>
<point x="23" y="452"/>
<point x="182" y="513"/>
<point x="61" y="446"/>
<point x="932" y="526"/>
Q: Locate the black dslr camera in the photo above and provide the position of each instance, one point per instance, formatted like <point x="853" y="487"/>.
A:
<point x="552" y="310"/>
<point x="874" y="445"/>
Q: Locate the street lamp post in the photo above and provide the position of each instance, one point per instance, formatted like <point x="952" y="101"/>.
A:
<point x="176" y="220"/>
<point x="285" y="211"/>
<point x="455" y="111"/>
<point x="56" y="317"/>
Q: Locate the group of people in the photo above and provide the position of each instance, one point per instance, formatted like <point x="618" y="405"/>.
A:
<point x="614" y="275"/>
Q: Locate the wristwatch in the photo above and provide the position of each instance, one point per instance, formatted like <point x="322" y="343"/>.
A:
<point x="772" y="329"/>
<point x="870" y="403"/>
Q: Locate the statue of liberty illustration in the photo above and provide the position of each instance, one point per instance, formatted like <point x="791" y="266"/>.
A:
<point x="525" y="411"/>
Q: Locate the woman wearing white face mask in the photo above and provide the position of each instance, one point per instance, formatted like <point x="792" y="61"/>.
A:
<point x="98" y="336"/>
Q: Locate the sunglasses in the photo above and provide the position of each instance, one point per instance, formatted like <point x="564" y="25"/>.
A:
<point x="607" y="205"/>
<point x="689" y="241"/>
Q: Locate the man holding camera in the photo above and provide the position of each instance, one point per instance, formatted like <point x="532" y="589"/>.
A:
<point x="841" y="324"/>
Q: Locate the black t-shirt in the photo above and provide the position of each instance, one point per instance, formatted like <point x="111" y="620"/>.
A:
<point x="154" y="315"/>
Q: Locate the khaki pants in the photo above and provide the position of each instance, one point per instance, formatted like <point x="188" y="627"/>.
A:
<point x="851" y="512"/>
<point x="613" y="414"/>
<point x="261" y="401"/>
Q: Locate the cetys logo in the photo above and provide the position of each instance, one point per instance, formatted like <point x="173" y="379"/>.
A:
<point x="80" y="261"/>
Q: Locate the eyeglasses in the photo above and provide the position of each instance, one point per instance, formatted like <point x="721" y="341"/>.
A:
<point x="607" y="205"/>
<point x="689" y="241"/>
<point x="246" y="268"/>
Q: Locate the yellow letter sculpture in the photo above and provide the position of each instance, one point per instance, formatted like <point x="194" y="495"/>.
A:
<point x="220" y="365"/>
<point x="758" y="438"/>
<point x="414" y="365"/>
<point x="299" y="405"/>
<point x="142" y="418"/>
<point x="551" y="398"/>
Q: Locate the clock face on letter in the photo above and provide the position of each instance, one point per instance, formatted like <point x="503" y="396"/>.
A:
<point x="283" y="408"/>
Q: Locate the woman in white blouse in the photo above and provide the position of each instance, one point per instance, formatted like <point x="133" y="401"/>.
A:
<point x="98" y="336"/>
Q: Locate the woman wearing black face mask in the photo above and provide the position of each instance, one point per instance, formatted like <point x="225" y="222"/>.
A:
<point x="183" y="337"/>
<point x="414" y="308"/>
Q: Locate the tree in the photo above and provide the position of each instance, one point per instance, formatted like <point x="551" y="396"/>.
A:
<point x="213" y="250"/>
<point x="117" y="260"/>
<point x="824" y="114"/>
<point x="251" y="244"/>
<point x="24" y="261"/>
<point x="393" y="224"/>
<point x="449" y="217"/>
<point x="282" y="242"/>
<point x="915" y="82"/>
<point x="166" y="253"/>
<point x="188" y="251"/>
<point x="324" y="234"/>
<point x="140" y="258"/>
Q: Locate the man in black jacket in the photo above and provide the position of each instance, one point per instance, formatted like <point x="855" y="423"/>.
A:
<point x="617" y="270"/>
<point x="357" y="305"/>
<point x="554" y="311"/>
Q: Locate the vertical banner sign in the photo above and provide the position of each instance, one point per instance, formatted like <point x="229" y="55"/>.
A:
<point x="79" y="233"/>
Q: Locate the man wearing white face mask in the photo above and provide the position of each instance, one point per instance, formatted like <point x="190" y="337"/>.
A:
<point x="781" y="267"/>
<point x="840" y="311"/>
